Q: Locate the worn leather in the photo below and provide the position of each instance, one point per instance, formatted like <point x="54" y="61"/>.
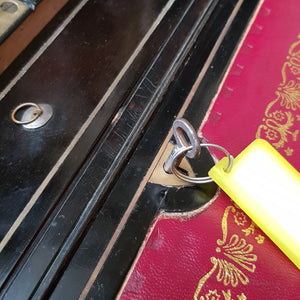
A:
<point x="220" y="253"/>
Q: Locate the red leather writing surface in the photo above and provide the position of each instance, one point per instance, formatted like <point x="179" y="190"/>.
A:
<point x="221" y="254"/>
<point x="261" y="94"/>
<point x="181" y="257"/>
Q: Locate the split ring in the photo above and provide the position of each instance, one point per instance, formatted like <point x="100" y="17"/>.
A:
<point x="199" y="180"/>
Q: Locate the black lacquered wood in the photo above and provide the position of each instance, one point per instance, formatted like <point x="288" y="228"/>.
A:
<point x="113" y="140"/>
<point x="72" y="76"/>
<point x="118" y="260"/>
<point x="78" y="225"/>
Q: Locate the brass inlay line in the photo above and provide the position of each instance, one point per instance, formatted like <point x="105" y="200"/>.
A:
<point x="58" y="164"/>
<point x="155" y="161"/>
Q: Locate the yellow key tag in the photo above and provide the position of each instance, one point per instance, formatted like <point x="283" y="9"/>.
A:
<point x="259" y="180"/>
<point x="267" y="188"/>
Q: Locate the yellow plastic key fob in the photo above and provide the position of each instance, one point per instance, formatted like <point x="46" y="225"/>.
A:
<point x="267" y="188"/>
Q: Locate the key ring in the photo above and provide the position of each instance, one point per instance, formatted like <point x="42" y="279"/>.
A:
<point x="190" y="147"/>
<point x="198" y="180"/>
<point x="37" y="113"/>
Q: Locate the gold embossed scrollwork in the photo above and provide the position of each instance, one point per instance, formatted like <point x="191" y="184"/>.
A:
<point x="235" y="257"/>
<point x="282" y="113"/>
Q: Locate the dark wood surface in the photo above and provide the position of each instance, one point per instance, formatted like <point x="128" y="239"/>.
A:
<point x="21" y="37"/>
<point x="116" y="76"/>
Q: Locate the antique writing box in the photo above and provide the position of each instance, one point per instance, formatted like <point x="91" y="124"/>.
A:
<point x="77" y="194"/>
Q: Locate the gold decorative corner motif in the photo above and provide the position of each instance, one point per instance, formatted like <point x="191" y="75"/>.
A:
<point x="289" y="151"/>
<point x="235" y="258"/>
<point x="241" y="297"/>
<point x="278" y="125"/>
<point x="227" y="295"/>
<point x="260" y="239"/>
<point x="212" y="295"/>
<point x="250" y="229"/>
<point x="240" y="218"/>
